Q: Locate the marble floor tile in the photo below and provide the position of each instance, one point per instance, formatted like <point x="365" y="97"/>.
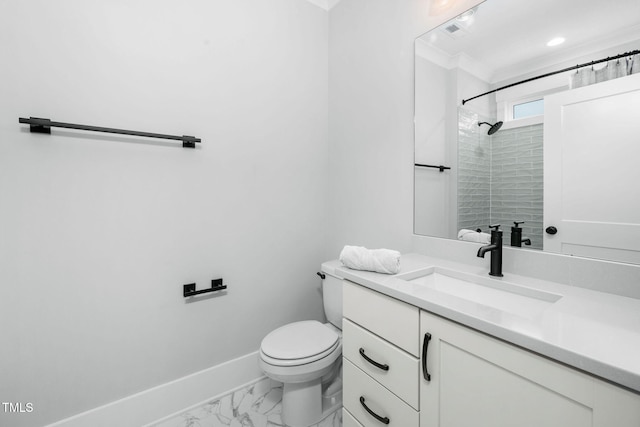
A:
<point x="258" y="405"/>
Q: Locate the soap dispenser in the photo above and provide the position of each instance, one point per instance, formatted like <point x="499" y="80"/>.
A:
<point x="516" y="235"/>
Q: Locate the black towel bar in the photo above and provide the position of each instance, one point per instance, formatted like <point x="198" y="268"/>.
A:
<point x="40" y="125"/>
<point x="442" y="168"/>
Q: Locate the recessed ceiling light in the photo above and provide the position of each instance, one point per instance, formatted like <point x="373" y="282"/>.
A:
<point x="555" y="41"/>
<point x="466" y="15"/>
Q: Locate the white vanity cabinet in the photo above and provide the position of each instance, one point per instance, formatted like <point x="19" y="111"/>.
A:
<point x="348" y="420"/>
<point x="480" y="381"/>
<point x="474" y="379"/>
<point x="380" y="359"/>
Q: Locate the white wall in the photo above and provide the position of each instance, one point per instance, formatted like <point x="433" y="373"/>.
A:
<point x="431" y="81"/>
<point x="432" y="188"/>
<point x="371" y="124"/>
<point x="98" y="233"/>
<point x="371" y="92"/>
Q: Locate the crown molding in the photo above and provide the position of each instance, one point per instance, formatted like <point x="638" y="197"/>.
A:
<point x="324" y="4"/>
<point x="449" y="62"/>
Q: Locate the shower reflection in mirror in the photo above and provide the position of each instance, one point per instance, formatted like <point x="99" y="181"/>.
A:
<point x="495" y="143"/>
<point x="610" y="70"/>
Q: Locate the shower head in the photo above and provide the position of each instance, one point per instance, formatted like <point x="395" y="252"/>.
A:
<point x="494" y="128"/>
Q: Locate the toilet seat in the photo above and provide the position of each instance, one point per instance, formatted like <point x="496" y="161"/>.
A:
<point x="299" y="343"/>
<point x="297" y="362"/>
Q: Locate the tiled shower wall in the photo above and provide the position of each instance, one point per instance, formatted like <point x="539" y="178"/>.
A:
<point x="517" y="181"/>
<point x="500" y="177"/>
<point x="474" y="172"/>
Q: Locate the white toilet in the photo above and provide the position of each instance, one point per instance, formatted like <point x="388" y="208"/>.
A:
<point x="306" y="357"/>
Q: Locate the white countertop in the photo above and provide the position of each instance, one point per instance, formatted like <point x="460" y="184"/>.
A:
<point x="595" y="332"/>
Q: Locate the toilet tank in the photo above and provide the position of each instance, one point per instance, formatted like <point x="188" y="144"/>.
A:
<point x="332" y="293"/>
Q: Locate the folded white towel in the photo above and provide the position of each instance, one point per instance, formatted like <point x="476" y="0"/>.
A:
<point x="474" y="236"/>
<point x="379" y="260"/>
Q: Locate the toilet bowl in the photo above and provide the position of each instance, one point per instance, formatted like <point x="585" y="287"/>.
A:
<point x="303" y="356"/>
<point x="300" y="351"/>
<point x="306" y="357"/>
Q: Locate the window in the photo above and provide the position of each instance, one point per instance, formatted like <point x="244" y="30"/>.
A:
<point x="528" y="109"/>
<point x="523" y="105"/>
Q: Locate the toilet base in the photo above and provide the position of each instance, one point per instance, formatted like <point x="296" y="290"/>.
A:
<point x="305" y="404"/>
<point x="302" y="403"/>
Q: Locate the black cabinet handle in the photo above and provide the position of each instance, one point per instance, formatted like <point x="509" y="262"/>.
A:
<point x="383" y="420"/>
<point x="551" y="230"/>
<point x="384" y="367"/>
<point x="425" y="347"/>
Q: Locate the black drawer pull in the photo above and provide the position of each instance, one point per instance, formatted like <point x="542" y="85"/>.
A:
<point x="425" y="347"/>
<point x="384" y="367"/>
<point x="384" y="420"/>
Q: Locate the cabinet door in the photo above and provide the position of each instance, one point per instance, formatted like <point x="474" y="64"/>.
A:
<point x="480" y="381"/>
<point x="616" y="406"/>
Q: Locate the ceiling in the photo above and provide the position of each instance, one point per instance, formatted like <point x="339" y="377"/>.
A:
<point x="502" y="35"/>
<point x="324" y="4"/>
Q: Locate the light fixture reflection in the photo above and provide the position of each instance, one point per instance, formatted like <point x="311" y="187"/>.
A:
<point x="466" y="16"/>
<point x="555" y="41"/>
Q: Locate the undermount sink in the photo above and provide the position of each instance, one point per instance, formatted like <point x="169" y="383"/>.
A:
<point x="496" y="293"/>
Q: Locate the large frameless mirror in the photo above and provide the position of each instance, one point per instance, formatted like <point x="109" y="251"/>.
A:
<point x="526" y="115"/>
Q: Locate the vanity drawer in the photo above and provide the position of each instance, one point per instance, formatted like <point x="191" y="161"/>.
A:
<point x="403" y="374"/>
<point x="393" y="320"/>
<point x="360" y="390"/>
<point x="348" y="420"/>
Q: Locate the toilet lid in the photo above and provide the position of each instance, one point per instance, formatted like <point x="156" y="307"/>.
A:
<point x="299" y="340"/>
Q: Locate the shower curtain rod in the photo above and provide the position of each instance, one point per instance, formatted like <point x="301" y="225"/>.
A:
<point x="575" y="67"/>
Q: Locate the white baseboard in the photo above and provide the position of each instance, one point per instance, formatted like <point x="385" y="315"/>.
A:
<point x="171" y="398"/>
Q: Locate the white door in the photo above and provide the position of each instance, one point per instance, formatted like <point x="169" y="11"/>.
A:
<point x="592" y="170"/>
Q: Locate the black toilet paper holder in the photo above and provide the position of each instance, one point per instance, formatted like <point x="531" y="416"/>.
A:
<point x="189" y="289"/>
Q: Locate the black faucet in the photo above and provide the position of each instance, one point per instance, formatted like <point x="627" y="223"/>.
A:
<point x="495" y="247"/>
<point x="516" y="235"/>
